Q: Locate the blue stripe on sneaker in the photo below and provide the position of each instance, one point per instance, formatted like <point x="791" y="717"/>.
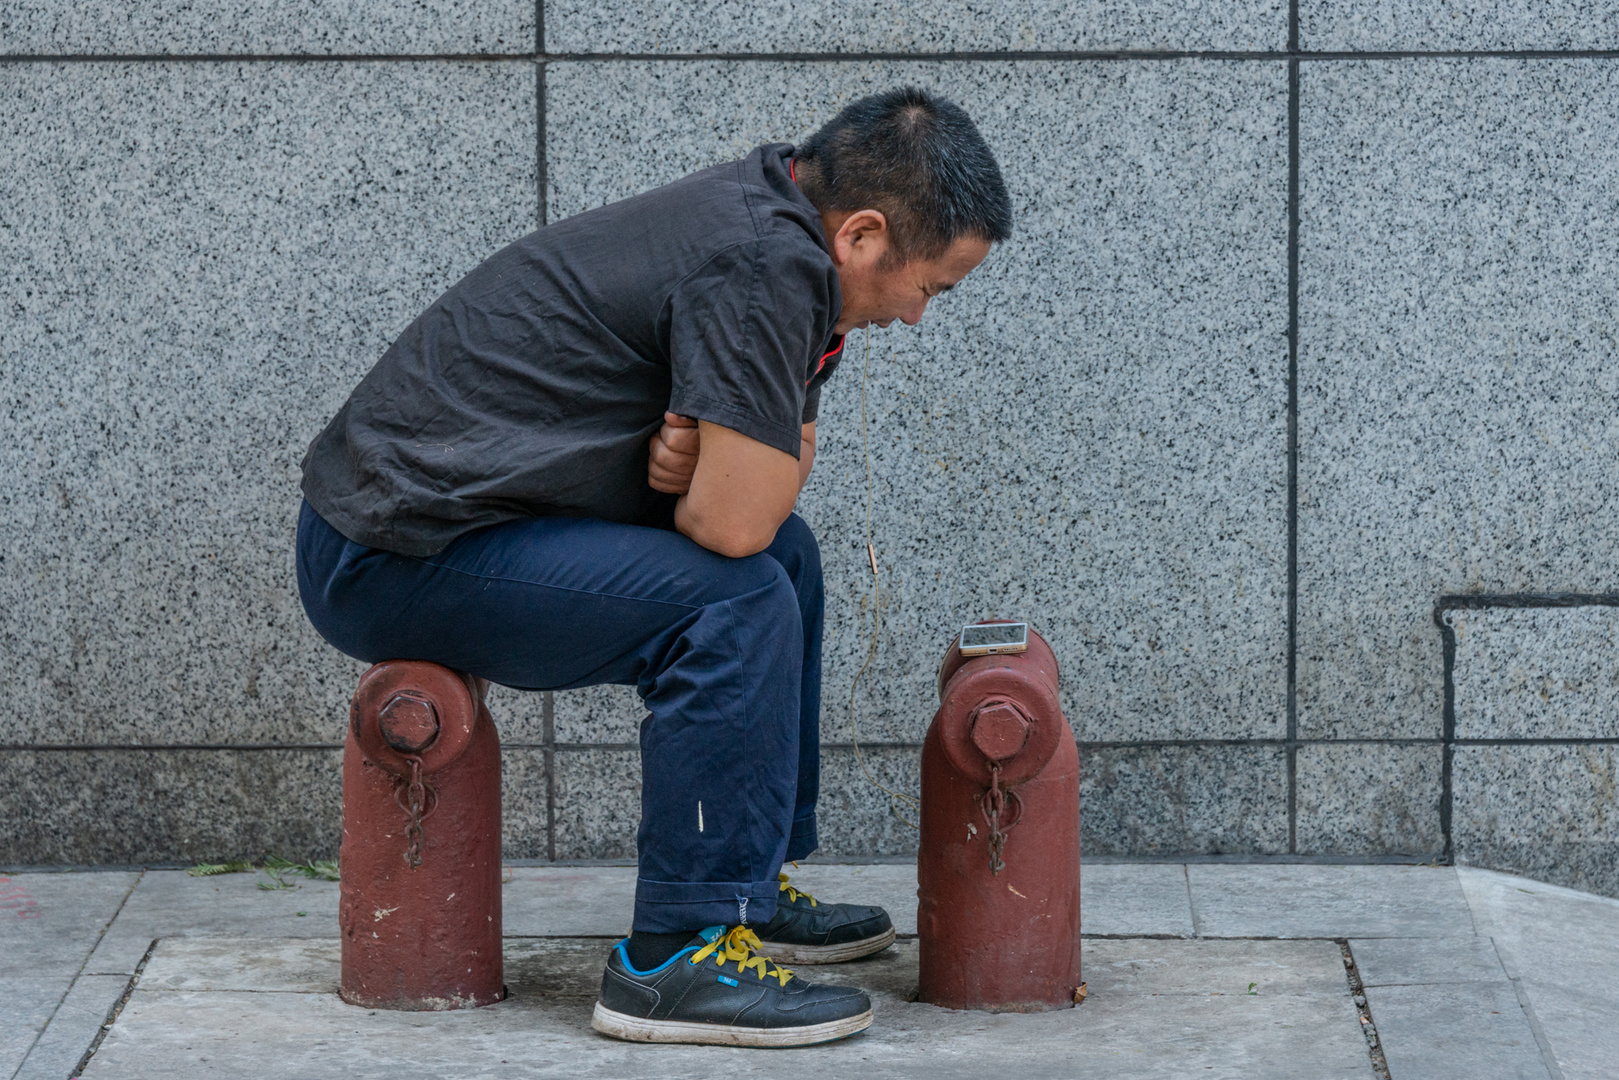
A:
<point x="624" y="958"/>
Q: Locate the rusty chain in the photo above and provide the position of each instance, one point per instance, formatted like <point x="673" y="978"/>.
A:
<point x="992" y="804"/>
<point x="417" y="799"/>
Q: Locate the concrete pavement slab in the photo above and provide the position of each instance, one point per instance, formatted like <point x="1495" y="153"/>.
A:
<point x="543" y="1029"/>
<point x="1439" y="1032"/>
<point x="1210" y="968"/>
<point x="262" y="965"/>
<point x="1254" y="900"/>
<point x="1563" y="947"/>
<point x="73" y="1027"/>
<point x="1135" y="899"/>
<point x="1579" y="1026"/>
<point x="1116" y="898"/>
<point x="53" y="920"/>
<point x="574" y="965"/>
<point x="563" y="901"/>
<point x="171" y="902"/>
<point x="25" y="1006"/>
<point x="1409" y="961"/>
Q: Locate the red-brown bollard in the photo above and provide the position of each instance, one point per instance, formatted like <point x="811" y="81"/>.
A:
<point x="998" y="871"/>
<point x="420" y="908"/>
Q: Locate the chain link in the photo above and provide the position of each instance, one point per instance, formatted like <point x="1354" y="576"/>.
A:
<point x="417" y="799"/>
<point x="992" y="804"/>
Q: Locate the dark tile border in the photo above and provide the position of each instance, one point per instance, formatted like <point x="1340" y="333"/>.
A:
<point x="1447" y="635"/>
<point x="1291" y="55"/>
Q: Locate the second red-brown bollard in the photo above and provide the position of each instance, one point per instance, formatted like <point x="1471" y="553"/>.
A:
<point x="998" y="869"/>
<point x="420" y="861"/>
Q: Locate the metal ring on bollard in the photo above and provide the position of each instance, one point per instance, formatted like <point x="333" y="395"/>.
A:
<point x="999" y="679"/>
<point x="1029" y="679"/>
<point x="451" y="695"/>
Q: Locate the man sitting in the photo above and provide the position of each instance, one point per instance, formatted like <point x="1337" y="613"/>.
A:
<point x="579" y="466"/>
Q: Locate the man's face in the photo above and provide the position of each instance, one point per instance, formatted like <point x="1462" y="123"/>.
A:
<point x="876" y="290"/>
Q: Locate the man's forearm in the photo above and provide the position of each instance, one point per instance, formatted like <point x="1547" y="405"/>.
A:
<point x="741" y="492"/>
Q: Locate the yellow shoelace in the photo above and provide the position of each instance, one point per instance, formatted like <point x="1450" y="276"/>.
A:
<point x="794" y="894"/>
<point x="738" y="945"/>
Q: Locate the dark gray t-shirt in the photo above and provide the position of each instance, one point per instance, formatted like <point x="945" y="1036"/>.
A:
<point x="531" y="387"/>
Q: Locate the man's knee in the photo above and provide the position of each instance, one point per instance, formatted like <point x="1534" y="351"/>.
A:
<point x="796" y="549"/>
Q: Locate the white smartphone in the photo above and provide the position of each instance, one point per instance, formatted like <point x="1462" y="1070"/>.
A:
<point x="985" y="639"/>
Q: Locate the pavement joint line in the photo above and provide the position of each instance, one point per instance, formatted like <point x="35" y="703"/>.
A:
<point x="117" y="1008"/>
<point x="1484" y="927"/>
<point x="90" y="952"/>
<point x="1191" y="901"/>
<point x="1368" y="1026"/>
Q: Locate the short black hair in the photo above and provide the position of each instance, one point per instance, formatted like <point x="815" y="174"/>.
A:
<point x="917" y="158"/>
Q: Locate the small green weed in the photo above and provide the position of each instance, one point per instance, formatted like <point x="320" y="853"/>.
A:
<point x="278" y="870"/>
<point x="240" y="866"/>
<point x="318" y="869"/>
<point x="1253" y="989"/>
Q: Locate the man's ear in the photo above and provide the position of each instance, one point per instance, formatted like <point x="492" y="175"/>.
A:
<point x="862" y="237"/>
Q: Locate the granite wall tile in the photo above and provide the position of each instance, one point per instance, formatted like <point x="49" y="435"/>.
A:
<point x="1459" y="223"/>
<point x="1394" y="25"/>
<point x="1537" y="673"/>
<point x="1090" y="431"/>
<point x="276" y="27"/>
<point x="1549" y="812"/>
<point x="855" y="816"/>
<point x="733" y="26"/>
<point x="599" y="714"/>
<point x="598" y="803"/>
<point x="164" y="806"/>
<point x="519" y="715"/>
<point x="1199" y="800"/>
<point x="523" y="827"/>
<point x="1369" y="799"/>
<point x="200" y="261"/>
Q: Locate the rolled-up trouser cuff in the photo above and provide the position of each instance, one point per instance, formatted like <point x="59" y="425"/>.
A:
<point x="668" y="907"/>
<point x="803" y="838"/>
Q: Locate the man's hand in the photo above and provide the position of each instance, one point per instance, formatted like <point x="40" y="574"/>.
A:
<point x="672" y="455"/>
<point x="740" y="493"/>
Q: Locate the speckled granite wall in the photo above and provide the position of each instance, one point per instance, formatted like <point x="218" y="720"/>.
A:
<point x="1535" y="720"/>
<point x="1231" y="226"/>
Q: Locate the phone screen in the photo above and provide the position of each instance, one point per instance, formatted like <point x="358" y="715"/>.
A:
<point x="994" y="637"/>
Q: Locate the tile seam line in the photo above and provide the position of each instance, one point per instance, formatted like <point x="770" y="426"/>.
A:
<point x="1445" y="604"/>
<point x="79" y="974"/>
<point x="117" y="1008"/>
<point x="1030" y="56"/>
<point x="1143" y="744"/>
<point x="1292" y="449"/>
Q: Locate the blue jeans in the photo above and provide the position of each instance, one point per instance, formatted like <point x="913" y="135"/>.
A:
<point x="726" y="654"/>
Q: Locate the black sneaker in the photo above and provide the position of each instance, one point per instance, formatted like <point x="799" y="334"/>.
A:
<point x="806" y="931"/>
<point x="699" y="996"/>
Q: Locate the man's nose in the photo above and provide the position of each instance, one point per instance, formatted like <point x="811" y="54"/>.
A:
<point x="914" y="316"/>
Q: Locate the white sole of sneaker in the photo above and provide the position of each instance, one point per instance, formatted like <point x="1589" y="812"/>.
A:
<point x="640" y="1029"/>
<point x="826" y="954"/>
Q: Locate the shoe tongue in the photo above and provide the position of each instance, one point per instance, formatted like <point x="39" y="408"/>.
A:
<point x="711" y="934"/>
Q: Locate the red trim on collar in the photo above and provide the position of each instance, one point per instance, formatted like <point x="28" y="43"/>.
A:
<point x="830" y="353"/>
<point x="792" y="169"/>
